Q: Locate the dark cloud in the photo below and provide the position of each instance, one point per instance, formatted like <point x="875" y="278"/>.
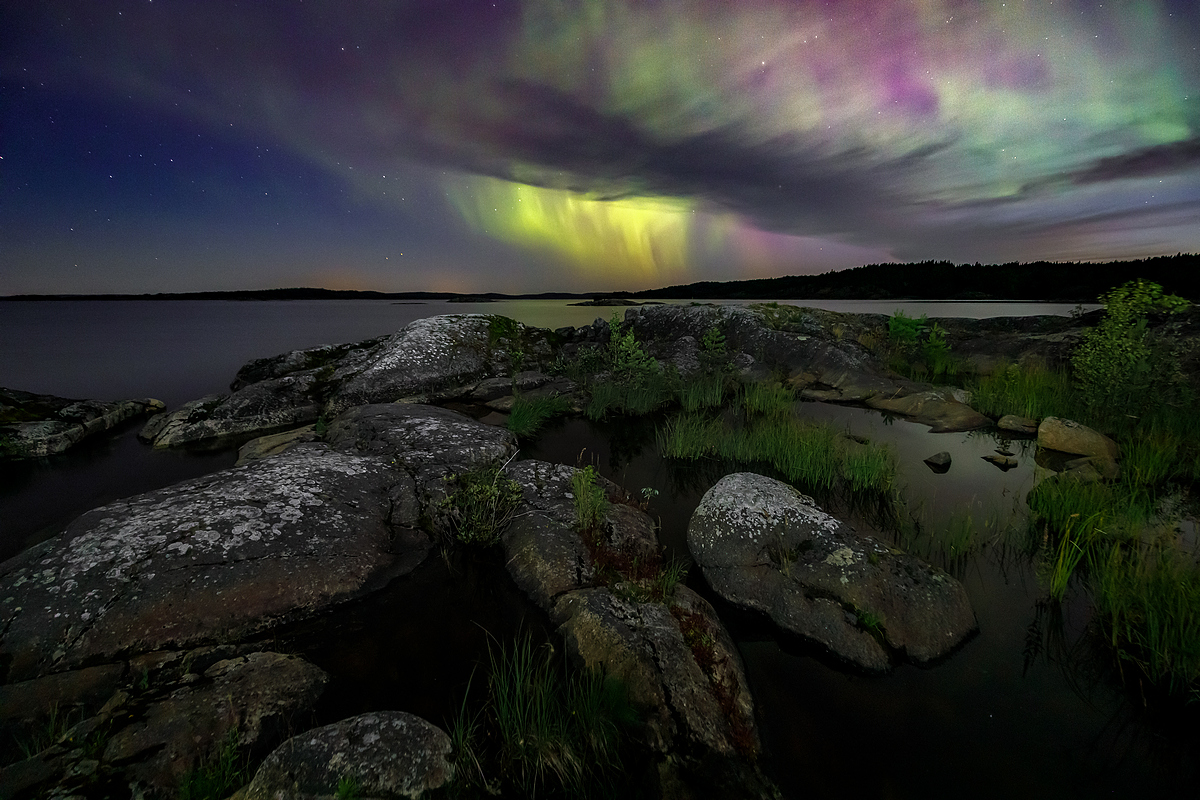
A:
<point x="1160" y="159"/>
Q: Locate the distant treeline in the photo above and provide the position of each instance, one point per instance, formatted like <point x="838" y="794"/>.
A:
<point x="1070" y="282"/>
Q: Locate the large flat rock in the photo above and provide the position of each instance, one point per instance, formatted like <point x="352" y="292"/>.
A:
<point x="212" y="559"/>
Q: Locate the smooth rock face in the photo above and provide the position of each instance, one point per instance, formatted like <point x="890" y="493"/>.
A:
<point x="937" y="408"/>
<point x="1068" y="436"/>
<point x="388" y="754"/>
<point x="274" y="444"/>
<point x="214" y="558"/>
<point x="262" y="696"/>
<point x="763" y="545"/>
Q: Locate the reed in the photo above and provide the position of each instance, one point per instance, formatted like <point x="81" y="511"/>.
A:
<point x="1148" y="605"/>
<point x="814" y="457"/>
<point x="704" y="391"/>
<point x="527" y="416"/>
<point x="1033" y="392"/>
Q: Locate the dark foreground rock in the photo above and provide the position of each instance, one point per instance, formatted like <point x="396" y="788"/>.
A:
<point x="762" y="545"/>
<point x="35" y="425"/>
<point x="385" y="754"/>
<point x="211" y="559"/>
<point x="605" y="592"/>
<point x="181" y="712"/>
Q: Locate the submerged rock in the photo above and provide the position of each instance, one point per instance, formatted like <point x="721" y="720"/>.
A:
<point x="762" y="545"/>
<point x="1002" y="461"/>
<point x="386" y="754"/>
<point x="36" y="425"/>
<point x="211" y="559"/>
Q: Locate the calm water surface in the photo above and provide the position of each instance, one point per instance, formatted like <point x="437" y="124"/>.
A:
<point x="1025" y="709"/>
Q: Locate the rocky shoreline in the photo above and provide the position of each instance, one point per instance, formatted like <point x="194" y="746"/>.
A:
<point x="150" y="618"/>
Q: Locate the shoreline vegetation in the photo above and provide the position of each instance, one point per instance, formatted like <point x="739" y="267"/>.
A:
<point x="1114" y="540"/>
<point x="1038" y="281"/>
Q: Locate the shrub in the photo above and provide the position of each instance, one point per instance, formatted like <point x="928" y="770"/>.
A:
<point x="482" y="505"/>
<point x="1121" y="366"/>
<point x="627" y="360"/>
<point x="905" y="330"/>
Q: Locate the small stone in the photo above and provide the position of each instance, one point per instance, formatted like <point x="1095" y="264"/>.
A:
<point x="1003" y="462"/>
<point x="1011" y="422"/>
<point x="939" y="462"/>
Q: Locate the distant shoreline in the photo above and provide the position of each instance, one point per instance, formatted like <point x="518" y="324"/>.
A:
<point x="941" y="281"/>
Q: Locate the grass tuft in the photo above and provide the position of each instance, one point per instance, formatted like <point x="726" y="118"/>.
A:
<point x="529" y="415"/>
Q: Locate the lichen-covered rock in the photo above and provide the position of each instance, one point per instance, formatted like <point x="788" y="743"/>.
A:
<point x="545" y="553"/>
<point x="1068" y="436"/>
<point x="317" y="358"/>
<point x="434" y="355"/>
<point x="386" y="754"/>
<point x="819" y="364"/>
<point x="36" y="425"/>
<point x="261" y="696"/>
<point x="210" y="559"/>
<point x="420" y="437"/>
<point x="258" y="409"/>
<point x="762" y="545"/>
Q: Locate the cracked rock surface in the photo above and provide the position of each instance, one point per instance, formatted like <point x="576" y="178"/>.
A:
<point x="36" y="425"/>
<point x="211" y="559"/>
<point x="762" y="545"/>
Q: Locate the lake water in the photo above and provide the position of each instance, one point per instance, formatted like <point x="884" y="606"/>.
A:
<point x="1025" y="709"/>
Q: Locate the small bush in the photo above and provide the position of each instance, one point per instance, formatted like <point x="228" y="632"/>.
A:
<point x="905" y="330"/>
<point x="482" y="505"/>
<point x="1121" y="366"/>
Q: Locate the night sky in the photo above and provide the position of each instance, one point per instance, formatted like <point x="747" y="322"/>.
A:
<point x="186" y="145"/>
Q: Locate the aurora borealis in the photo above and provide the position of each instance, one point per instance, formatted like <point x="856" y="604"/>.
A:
<point x="164" y="145"/>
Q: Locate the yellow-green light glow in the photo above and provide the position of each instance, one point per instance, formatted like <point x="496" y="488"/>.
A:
<point x="632" y="238"/>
